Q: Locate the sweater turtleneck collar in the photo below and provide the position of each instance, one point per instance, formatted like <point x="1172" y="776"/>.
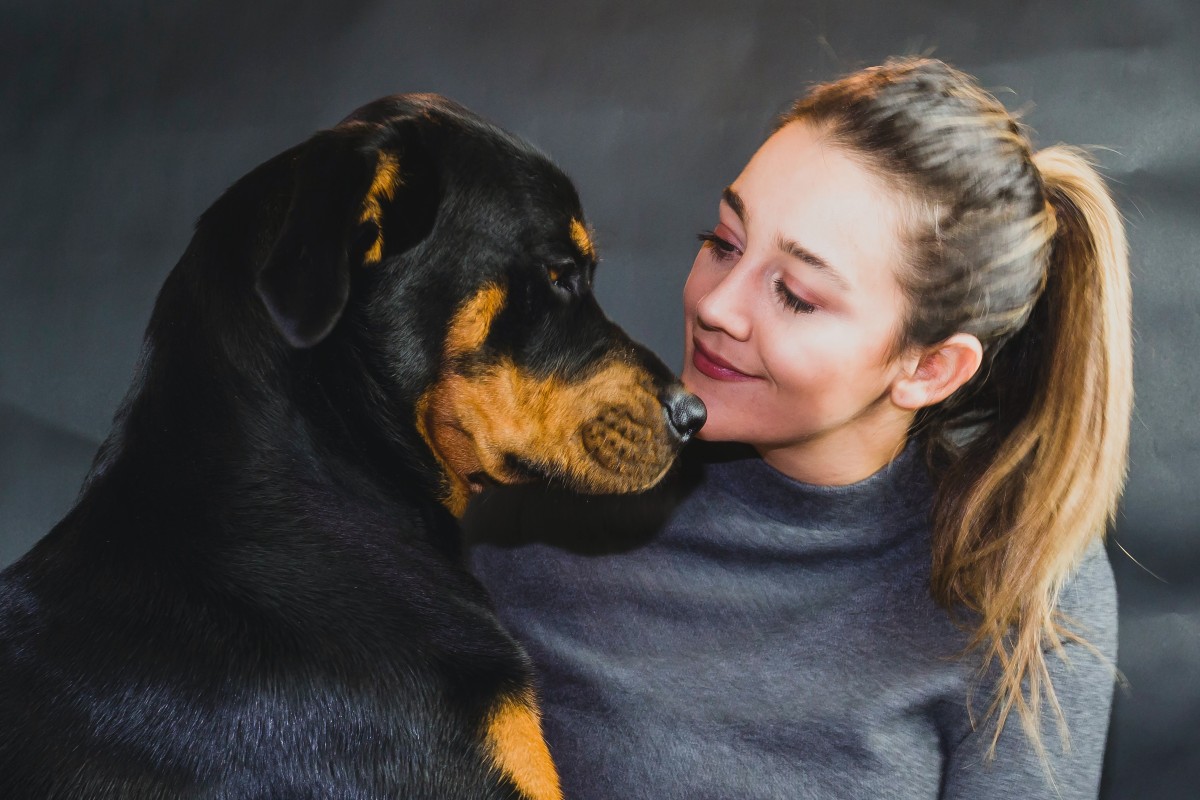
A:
<point x="868" y="513"/>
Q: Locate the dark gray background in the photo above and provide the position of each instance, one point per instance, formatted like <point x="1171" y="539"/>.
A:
<point x="120" y="124"/>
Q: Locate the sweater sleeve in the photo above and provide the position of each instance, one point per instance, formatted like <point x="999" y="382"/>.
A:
<point x="1084" y="686"/>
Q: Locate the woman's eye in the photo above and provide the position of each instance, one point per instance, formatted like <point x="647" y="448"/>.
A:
<point x="791" y="301"/>
<point x="721" y="249"/>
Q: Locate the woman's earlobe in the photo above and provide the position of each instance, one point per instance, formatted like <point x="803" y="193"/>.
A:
<point x="939" y="372"/>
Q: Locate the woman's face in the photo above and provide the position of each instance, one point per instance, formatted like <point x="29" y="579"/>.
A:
<point x="792" y="305"/>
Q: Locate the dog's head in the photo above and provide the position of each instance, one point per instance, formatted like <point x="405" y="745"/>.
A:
<point x="456" y="261"/>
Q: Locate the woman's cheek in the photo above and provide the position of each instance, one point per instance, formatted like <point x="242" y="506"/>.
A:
<point x="692" y="287"/>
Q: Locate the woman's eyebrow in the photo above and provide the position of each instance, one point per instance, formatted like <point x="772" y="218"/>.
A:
<point x="734" y="201"/>
<point x="788" y="246"/>
<point x="797" y="251"/>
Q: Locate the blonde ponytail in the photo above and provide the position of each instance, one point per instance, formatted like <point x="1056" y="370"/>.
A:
<point x="1008" y="536"/>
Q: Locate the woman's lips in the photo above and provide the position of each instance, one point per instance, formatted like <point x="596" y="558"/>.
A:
<point x="706" y="363"/>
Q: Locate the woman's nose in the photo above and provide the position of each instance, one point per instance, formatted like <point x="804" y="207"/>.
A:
<point x="725" y="307"/>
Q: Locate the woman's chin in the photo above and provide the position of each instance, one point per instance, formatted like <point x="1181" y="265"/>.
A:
<point x="716" y="433"/>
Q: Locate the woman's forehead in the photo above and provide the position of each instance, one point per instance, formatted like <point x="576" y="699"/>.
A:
<point x="802" y="187"/>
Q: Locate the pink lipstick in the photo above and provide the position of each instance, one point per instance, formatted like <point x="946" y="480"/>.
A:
<point x="707" y="363"/>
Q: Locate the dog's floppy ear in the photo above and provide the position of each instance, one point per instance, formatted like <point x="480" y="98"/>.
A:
<point x="333" y="218"/>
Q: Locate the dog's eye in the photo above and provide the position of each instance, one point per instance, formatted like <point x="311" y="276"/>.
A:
<point x="564" y="276"/>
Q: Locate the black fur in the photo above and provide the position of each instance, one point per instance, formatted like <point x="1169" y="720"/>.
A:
<point x="258" y="593"/>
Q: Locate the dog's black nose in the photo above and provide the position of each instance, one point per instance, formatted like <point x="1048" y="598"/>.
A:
<point x="686" y="412"/>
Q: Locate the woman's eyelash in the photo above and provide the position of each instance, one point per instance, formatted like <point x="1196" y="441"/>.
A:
<point x="723" y="250"/>
<point x="790" y="300"/>
<point x="720" y="248"/>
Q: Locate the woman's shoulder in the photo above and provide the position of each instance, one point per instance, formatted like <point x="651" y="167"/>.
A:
<point x="1087" y="602"/>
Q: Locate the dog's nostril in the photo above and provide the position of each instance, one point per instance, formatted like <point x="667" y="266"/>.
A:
<point x="686" y="413"/>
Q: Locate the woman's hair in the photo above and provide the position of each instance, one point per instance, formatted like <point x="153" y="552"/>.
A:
<point x="1026" y="251"/>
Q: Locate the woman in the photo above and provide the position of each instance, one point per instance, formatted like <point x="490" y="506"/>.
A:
<point x="920" y="327"/>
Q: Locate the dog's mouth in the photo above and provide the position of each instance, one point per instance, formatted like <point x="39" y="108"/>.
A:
<point x="607" y="434"/>
<point x="611" y="453"/>
<point x="479" y="480"/>
<point x="517" y="469"/>
<point x="629" y="453"/>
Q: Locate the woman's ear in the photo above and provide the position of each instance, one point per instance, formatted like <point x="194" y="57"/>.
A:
<point x="937" y="372"/>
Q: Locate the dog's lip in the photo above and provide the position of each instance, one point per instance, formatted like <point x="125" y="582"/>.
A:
<point x="514" y="469"/>
<point x="710" y="364"/>
<point x="478" y="481"/>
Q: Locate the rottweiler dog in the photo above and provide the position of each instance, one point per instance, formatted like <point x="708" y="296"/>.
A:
<point x="259" y="592"/>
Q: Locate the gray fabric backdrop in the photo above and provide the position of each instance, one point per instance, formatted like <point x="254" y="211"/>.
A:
<point x="120" y="124"/>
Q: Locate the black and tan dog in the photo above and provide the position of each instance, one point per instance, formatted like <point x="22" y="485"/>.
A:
<point x="259" y="591"/>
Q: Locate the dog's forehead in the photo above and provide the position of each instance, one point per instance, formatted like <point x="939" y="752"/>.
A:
<point x="549" y="205"/>
<point x="523" y="194"/>
<point x="523" y="191"/>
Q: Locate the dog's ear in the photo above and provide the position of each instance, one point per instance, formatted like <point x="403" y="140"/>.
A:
<point x="333" y="220"/>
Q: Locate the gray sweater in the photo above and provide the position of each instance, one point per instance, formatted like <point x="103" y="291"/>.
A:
<point x="742" y="635"/>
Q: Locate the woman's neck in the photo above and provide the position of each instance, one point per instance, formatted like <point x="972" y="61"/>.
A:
<point x="843" y="456"/>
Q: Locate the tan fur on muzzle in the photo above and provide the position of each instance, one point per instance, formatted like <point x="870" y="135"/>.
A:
<point x="605" y="432"/>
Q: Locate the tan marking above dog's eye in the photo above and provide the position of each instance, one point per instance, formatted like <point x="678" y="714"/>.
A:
<point x="582" y="238"/>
